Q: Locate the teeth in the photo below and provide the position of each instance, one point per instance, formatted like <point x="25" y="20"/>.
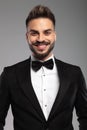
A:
<point x="41" y="47"/>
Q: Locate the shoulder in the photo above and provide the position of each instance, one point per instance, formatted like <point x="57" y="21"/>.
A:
<point x="68" y="68"/>
<point x="65" y="64"/>
<point x="18" y="66"/>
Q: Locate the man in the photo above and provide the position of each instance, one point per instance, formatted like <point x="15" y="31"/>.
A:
<point x="42" y="90"/>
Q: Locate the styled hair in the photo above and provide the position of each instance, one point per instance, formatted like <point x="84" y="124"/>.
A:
<point x="40" y="11"/>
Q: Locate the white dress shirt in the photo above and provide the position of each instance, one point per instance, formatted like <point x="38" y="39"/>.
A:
<point x="45" y="83"/>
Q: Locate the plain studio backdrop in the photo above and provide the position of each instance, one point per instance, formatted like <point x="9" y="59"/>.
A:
<point x="71" y="28"/>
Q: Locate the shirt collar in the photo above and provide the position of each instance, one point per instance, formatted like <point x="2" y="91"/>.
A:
<point x="47" y="71"/>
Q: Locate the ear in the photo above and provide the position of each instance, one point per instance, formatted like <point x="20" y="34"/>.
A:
<point x="27" y="36"/>
<point x="55" y="36"/>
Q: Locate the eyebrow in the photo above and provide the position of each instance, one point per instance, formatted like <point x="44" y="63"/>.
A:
<point x="48" y="30"/>
<point x="33" y="30"/>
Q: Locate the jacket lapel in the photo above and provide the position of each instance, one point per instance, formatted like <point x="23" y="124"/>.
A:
<point x="62" y="88"/>
<point x="23" y="75"/>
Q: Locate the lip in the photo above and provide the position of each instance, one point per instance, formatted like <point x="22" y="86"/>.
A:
<point x="41" y="47"/>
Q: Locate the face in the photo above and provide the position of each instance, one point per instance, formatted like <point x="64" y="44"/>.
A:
<point x="41" y="37"/>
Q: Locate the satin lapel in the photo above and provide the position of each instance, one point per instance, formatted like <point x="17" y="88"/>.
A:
<point x="23" y="75"/>
<point x="62" y="88"/>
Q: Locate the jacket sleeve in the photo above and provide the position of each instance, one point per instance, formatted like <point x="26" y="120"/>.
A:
<point x="81" y="102"/>
<point x="4" y="98"/>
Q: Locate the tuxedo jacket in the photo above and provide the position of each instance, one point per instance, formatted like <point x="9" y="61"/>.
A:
<point x="16" y="90"/>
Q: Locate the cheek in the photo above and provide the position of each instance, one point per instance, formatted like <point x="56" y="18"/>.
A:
<point x="52" y="39"/>
<point x="32" y="39"/>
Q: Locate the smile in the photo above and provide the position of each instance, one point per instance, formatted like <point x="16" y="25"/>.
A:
<point x="41" y="46"/>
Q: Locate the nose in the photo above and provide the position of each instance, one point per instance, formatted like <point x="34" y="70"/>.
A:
<point x="41" y="38"/>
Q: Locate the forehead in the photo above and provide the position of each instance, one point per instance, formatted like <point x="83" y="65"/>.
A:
<point x="40" y="24"/>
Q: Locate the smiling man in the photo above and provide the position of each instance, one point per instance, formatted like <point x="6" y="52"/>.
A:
<point x="42" y="90"/>
<point x="41" y="37"/>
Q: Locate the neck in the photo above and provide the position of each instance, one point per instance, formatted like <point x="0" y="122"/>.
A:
<point x="43" y="59"/>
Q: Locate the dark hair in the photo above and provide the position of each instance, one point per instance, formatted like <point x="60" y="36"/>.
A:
<point x="40" y="11"/>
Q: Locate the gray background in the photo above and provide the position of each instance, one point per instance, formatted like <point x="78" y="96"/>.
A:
<point x="71" y="28"/>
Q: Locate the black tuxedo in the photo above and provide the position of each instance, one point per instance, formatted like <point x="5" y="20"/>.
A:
<point x="16" y="89"/>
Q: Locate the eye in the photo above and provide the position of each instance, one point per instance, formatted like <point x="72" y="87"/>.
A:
<point x="47" y="33"/>
<point x="33" y="33"/>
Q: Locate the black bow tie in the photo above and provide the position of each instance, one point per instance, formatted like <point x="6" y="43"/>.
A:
<point x="36" y="65"/>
